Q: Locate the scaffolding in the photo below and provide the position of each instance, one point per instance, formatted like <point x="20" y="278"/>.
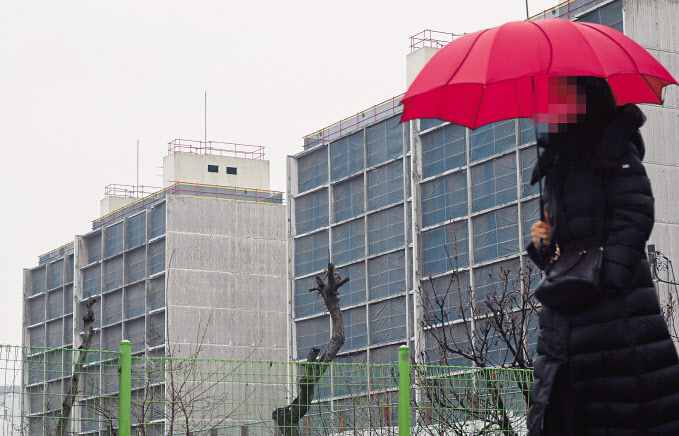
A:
<point x="191" y="146"/>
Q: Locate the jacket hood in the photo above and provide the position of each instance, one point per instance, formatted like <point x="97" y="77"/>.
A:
<point x="619" y="137"/>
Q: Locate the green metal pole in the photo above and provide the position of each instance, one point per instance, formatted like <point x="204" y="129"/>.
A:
<point x="403" y="391"/>
<point x="125" y="389"/>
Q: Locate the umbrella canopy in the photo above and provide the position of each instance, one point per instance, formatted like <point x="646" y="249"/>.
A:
<point x="491" y="75"/>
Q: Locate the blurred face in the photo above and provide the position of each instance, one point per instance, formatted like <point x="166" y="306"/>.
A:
<point x="564" y="102"/>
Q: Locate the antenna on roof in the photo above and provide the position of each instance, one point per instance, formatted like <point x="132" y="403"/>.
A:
<point x="137" y="162"/>
<point x="205" y="117"/>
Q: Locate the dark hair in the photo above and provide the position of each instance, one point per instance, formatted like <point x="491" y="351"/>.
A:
<point x="577" y="140"/>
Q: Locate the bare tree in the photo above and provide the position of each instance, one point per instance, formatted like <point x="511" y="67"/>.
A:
<point x="488" y="333"/>
<point x="67" y="406"/>
<point x="288" y="418"/>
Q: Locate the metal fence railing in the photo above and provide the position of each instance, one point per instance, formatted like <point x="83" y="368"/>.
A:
<point x="121" y="394"/>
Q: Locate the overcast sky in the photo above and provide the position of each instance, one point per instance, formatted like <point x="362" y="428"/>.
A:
<point x="80" y="82"/>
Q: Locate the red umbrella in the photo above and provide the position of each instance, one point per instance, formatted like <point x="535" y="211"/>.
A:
<point x="491" y="75"/>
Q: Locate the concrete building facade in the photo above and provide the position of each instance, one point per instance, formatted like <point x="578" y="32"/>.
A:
<point x="190" y="267"/>
<point x="389" y="202"/>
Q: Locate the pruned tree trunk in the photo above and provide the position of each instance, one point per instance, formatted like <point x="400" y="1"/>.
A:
<point x="288" y="418"/>
<point x="67" y="405"/>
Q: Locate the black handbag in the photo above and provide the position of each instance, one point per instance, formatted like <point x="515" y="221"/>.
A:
<point x="571" y="280"/>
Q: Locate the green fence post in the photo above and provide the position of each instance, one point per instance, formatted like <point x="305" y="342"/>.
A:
<point x="125" y="389"/>
<point x="403" y="391"/>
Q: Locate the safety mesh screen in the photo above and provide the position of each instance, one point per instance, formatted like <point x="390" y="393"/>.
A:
<point x="55" y="303"/>
<point x="496" y="234"/>
<point x="346" y="156"/>
<point x="348" y="241"/>
<point x="93" y="248"/>
<point x="92" y="281"/>
<point x="384" y="141"/>
<point x="388" y="320"/>
<point x="56" y="274"/>
<point x="36" y="336"/>
<point x="311" y="253"/>
<point x="136" y="230"/>
<point x="134" y="301"/>
<point x="157" y="257"/>
<point x="54" y="333"/>
<point x="38" y="281"/>
<point x="156" y="293"/>
<point x="493" y="138"/>
<point x="609" y="15"/>
<point x="386" y="230"/>
<point x="457" y="335"/>
<point x="528" y="160"/>
<point x="311" y="211"/>
<point x="445" y="248"/>
<point x="527" y="131"/>
<point x="490" y="280"/>
<point x="135" y="265"/>
<point x="446" y="298"/>
<point x="312" y="169"/>
<point x="113" y="307"/>
<point x="348" y="380"/>
<point x="113" y="273"/>
<point x="353" y="292"/>
<point x="443" y="149"/>
<point x="355" y="328"/>
<point x="387" y="275"/>
<point x="68" y="299"/>
<point x="444" y="198"/>
<point x="36" y="310"/>
<point x="155" y="335"/>
<point x="349" y="199"/>
<point x="158" y="220"/>
<point x="385" y="185"/>
<point x="68" y="273"/>
<point x="494" y="182"/>
<point x="135" y="333"/>
<point x="313" y="332"/>
<point x="307" y="302"/>
<point x="112" y="337"/>
<point x="114" y="239"/>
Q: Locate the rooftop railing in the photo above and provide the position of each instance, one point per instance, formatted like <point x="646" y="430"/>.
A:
<point x="431" y="38"/>
<point x="57" y="253"/>
<point x="129" y="191"/>
<point x="216" y="148"/>
<point x="567" y="9"/>
<point x="193" y="190"/>
<point x="353" y="123"/>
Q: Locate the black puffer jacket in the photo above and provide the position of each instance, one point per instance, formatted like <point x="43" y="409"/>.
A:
<point x="612" y="350"/>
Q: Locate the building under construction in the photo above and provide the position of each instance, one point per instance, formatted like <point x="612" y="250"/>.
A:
<point x="393" y="203"/>
<point x="199" y="264"/>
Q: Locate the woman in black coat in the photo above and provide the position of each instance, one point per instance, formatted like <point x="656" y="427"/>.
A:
<point x="606" y="364"/>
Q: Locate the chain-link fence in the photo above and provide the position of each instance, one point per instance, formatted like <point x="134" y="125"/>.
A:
<point x="114" y="393"/>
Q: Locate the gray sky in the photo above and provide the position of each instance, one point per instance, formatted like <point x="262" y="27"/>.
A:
<point x="80" y="82"/>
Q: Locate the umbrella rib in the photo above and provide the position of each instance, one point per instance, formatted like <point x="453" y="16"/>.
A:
<point x="549" y="42"/>
<point x="616" y="43"/>
<point x="478" y="108"/>
<point x="438" y="110"/>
